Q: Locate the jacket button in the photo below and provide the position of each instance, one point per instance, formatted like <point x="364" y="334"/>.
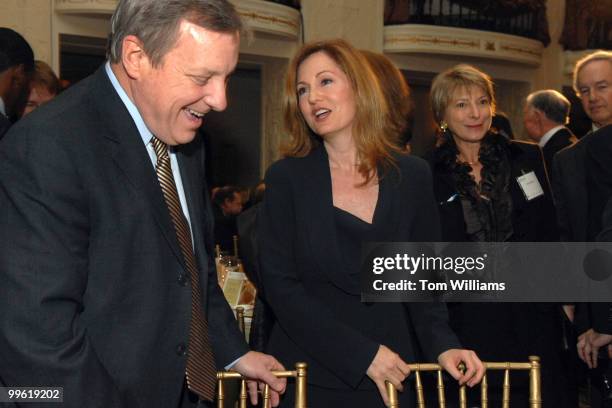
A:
<point x="182" y="280"/>
<point x="181" y="350"/>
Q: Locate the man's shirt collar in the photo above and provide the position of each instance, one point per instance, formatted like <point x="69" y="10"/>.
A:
<point x="144" y="131"/>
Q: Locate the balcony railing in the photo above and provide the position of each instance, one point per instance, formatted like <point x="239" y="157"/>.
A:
<point x="525" y="18"/>
<point x="588" y="25"/>
<point x="600" y="35"/>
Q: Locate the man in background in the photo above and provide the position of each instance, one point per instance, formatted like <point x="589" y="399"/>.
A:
<point x="16" y="66"/>
<point x="593" y="85"/>
<point x="545" y="115"/>
<point x="228" y="204"/>
<point x="44" y="86"/>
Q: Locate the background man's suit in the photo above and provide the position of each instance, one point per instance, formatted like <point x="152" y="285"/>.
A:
<point x="560" y="140"/>
<point x="94" y="293"/>
<point x="599" y="183"/>
<point x="570" y="191"/>
<point x="598" y="154"/>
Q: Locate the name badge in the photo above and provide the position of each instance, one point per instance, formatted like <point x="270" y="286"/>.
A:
<point x="530" y="185"/>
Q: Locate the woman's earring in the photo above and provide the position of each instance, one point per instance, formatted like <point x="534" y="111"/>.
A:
<point x="443" y="127"/>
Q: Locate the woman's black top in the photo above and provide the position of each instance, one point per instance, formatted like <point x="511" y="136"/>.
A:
<point x="497" y="211"/>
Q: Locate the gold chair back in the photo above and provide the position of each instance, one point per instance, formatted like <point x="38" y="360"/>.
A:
<point x="535" y="390"/>
<point x="300" y="386"/>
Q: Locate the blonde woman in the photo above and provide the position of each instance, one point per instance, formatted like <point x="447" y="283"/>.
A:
<point x="492" y="189"/>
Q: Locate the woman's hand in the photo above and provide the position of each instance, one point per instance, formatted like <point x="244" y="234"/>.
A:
<point x="589" y="344"/>
<point x="387" y="366"/>
<point x="474" y="369"/>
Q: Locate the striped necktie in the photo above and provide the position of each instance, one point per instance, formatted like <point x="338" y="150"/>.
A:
<point x="200" y="372"/>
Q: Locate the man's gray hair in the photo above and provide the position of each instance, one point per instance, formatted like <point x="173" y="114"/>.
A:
<point x="553" y="104"/>
<point x="156" y="23"/>
<point x="594" y="56"/>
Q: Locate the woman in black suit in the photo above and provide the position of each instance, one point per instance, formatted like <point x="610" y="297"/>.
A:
<point x="343" y="182"/>
<point x="489" y="188"/>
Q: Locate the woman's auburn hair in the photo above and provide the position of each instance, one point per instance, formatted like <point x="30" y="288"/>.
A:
<point x="375" y="140"/>
<point x="394" y="87"/>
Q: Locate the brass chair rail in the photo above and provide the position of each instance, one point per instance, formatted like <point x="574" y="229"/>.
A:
<point x="300" y="375"/>
<point x="535" y="391"/>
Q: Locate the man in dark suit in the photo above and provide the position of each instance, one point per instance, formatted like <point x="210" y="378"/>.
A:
<point x="16" y="65"/>
<point x="108" y="282"/>
<point x="544" y="116"/>
<point x="594" y="345"/>
<point x="593" y="84"/>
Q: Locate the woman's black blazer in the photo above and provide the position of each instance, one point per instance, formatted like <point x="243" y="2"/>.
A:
<point x="320" y="318"/>
<point x="508" y="331"/>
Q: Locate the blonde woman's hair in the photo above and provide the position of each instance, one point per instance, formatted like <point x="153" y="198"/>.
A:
<point x="375" y="138"/>
<point x="446" y="83"/>
<point x="44" y="76"/>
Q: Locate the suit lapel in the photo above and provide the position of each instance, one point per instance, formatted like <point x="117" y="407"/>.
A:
<point x="130" y="155"/>
<point x="322" y="232"/>
<point x="187" y="169"/>
<point x="193" y="188"/>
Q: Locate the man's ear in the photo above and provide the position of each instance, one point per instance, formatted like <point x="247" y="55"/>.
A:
<point x="540" y="116"/>
<point x="133" y="57"/>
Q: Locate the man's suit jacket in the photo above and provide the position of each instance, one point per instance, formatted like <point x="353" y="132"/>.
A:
<point x="570" y="191"/>
<point x="316" y="300"/>
<point x="94" y="293"/>
<point x="598" y="178"/>
<point x="599" y="183"/>
<point x="601" y="313"/>
<point x="560" y="140"/>
<point x="575" y="209"/>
